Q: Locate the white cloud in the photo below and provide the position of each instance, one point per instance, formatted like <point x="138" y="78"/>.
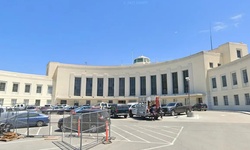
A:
<point x="219" y="26"/>
<point x="237" y="17"/>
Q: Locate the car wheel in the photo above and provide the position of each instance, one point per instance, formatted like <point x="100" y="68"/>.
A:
<point x="93" y="128"/>
<point x="130" y="114"/>
<point x="39" y="123"/>
<point x="125" y="116"/>
<point x="172" y="113"/>
<point x="156" y="117"/>
<point x="7" y="127"/>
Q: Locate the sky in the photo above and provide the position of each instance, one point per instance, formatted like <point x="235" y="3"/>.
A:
<point x="114" y="32"/>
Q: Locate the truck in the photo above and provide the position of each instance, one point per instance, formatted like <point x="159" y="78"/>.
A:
<point x="148" y="107"/>
<point x="175" y="108"/>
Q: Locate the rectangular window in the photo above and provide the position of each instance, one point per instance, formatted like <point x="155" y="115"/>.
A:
<point x="88" y="102"/>
<point x="99" y="86"/>
<point x="77" y="86"/>
<point x="219" y="64"/>
<point x="15" y="87"/>
<point x="224" y="81"/>
<point x="26" y="101"/>
<point x="244" y="75"/>
<point x="121" y="86"/>
<point x="132" y="86"/>
<point x="50" y="88"/>
<point x="238" y="53"/>
<point x="175" y="82"/>
<point x="111" y="86"/>
<point x="164" y="85"/>
<point x="1" y="101"/>
<point x="153" y="85"/>
<point x="121" y="102"/>
<point x="110" y="101"/>
<point x="247" y="99"/>
<point x="225" y="100"/>
<point x="234" y="78"/>
<point x="236" y="100"/>
<point x="143" y="85"/>
<point x="39" y="89"/>
<point x="214" y="85"/>
<point x="13" y="102"/>
<point x="185" y="80"/>
<point x="89" y="86"/>
<point x="215" y="101"/>
<point x="27" y="88"/>
<point x="211" y="65"/>
<point x="38" y="101"/>
<point x="2" y="86"/>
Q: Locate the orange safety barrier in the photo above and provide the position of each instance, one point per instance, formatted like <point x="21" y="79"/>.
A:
<point x="107" y="131"/>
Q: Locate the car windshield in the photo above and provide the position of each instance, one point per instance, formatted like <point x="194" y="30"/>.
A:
<point x="171" y="104"/>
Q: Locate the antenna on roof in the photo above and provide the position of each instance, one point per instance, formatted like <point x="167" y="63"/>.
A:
<point x="211" y="39"/>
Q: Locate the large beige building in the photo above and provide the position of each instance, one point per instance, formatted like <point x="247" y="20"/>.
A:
<point x="218" y="77"/>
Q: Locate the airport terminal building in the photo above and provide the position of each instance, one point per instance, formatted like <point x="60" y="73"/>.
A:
<point x="218" y="77"/>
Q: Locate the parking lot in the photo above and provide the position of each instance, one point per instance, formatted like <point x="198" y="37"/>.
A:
<point x="206" y="130"/>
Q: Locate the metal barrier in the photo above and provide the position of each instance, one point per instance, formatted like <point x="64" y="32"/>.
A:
<point x="77" y="131"/>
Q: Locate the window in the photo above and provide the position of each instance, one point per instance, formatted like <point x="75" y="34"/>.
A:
<point x="214" y="85"/>
<point x="219" y="64"/>
<point x="38" y="89"/>
<point x="224" y="81"/>
<point x="153" y="85"/>
<point x="215" y="101"/>
<point x="132" y="86"/>
<point x="26" y="101"/>
<point x="48" y="101"/>
<point x="238" y="53"/>
<point x="185" y="81"/>
<point x="27" y="88"/>
<point x="13" y="102"/>
<point x="88" y="102"/>
<point x="49" y="89"/>
<point x="247" y="99"/>
<point x="2" y="86"/>
<point x="77" y="86"/>
<point x="164" y="85"/>
<point x="211" y="65"/>
<point x="99" y="86"/>
<point x="225" y="100"/>
<point x="175" y="82"/>
<point x="121" y="102"/>
<point x="111" y="86"/>
<point x="15" y="87"/>
<point x="236" y="100"/>
<point x="37" y="103"/>
<point x="110" y="101"/>
<point x="1" y="101"/>
<point x="121" y="86"/>
<point x="244" y="75"/>
<point x="234" y="78"/>
<point x="89" y="86"/>
<point x="143" y="85"/>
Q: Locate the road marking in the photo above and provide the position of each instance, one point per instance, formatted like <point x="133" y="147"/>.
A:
<point x="121" y="136"/>
<point x="158" y="133"/>
<point x="150" y="135"/>
<point x="132" y="134"/>
<point x="177" y="136"/>
<point x="37" y="133"/>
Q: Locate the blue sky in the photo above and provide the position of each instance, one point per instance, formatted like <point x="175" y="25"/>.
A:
<point x="113" y="32"/>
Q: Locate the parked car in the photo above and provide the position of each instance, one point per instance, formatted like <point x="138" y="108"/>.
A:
<point x="133" y="110"/>
<point x="70" y="108"/>
<point x="26" y="118"/>
<point x="119" y="110"/>
<point x="20" y="107"/>
<point x="80" y="109"/>
<point x="200" y="106"/>
<point x="92" y="120"/>
<point x="175" y="108"/>
<point x="32" y="108"/>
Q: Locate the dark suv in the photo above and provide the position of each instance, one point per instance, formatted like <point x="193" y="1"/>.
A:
<point x="92" y="120"/>
<point x="119" y="110"/>
<point x="200" y="106"/>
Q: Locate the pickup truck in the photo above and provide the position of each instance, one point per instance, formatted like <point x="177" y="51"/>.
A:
<point x="119" y="110"/>
<point x="175" y="108"/>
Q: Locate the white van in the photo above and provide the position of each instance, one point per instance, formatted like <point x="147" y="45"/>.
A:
<point x="19" y="107"/>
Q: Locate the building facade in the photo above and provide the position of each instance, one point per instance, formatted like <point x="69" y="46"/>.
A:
<point x="218" y="77"/>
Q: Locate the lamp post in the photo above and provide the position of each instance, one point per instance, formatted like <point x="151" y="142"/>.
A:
<point x="189" y="113"/>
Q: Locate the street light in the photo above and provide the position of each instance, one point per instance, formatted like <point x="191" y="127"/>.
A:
<point x="189" y="113"/>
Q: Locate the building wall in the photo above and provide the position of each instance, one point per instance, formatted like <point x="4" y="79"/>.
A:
<point x="21" y="79"/>
<point x="230" y="90"/>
